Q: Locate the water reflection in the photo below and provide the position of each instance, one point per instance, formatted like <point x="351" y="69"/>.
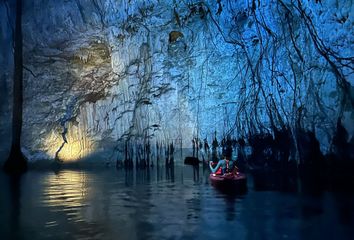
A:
<point x="164" y="203"/>
<point x="68" y="191"/>
<point x="15" y="210"/>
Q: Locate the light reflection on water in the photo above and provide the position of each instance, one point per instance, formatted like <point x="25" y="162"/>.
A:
<point x="162" y="203"/>
<point x="66" y="191"/>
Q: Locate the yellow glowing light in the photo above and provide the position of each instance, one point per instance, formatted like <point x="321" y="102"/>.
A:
<point x="72" y="151"/>
<point x="68" y="190"/>
<point x="77" y="147"/>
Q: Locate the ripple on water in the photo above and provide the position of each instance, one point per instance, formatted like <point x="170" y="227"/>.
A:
<point x="116" y="204"/>
<point x="66" y="192"/>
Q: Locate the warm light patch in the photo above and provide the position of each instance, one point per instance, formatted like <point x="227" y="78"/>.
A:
<point x="68" y="191"/>
<point x="78" y="144"/>
<point x="72" y="151"/>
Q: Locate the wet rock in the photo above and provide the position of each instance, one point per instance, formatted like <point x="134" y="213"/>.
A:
<point x="105" y="72"/>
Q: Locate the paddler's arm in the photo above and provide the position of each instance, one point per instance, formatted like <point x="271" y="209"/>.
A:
<point x="213" y="170"/>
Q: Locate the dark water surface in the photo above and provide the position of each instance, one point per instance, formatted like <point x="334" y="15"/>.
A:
<point x="162" y="203"/>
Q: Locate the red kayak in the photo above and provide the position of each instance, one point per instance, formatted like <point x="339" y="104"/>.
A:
<point x="231" y="181"/>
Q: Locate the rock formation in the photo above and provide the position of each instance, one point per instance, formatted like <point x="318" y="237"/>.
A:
<point x="100" y="73"/>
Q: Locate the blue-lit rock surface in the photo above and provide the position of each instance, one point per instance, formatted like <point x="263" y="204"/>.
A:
<point x="100" y="72"/>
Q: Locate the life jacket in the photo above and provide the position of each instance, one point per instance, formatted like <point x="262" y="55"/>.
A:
<point x="219" y="171"/>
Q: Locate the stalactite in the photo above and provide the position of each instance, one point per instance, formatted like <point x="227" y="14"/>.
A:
<point x="134" y="85"/>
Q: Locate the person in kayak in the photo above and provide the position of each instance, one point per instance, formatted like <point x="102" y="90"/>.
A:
<point x="222" y="167"/>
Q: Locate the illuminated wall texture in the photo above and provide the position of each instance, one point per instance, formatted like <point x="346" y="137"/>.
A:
<point x="100" y="72"/>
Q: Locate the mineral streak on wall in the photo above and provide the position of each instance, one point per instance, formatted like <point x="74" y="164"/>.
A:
<point x="98" y="73"/>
